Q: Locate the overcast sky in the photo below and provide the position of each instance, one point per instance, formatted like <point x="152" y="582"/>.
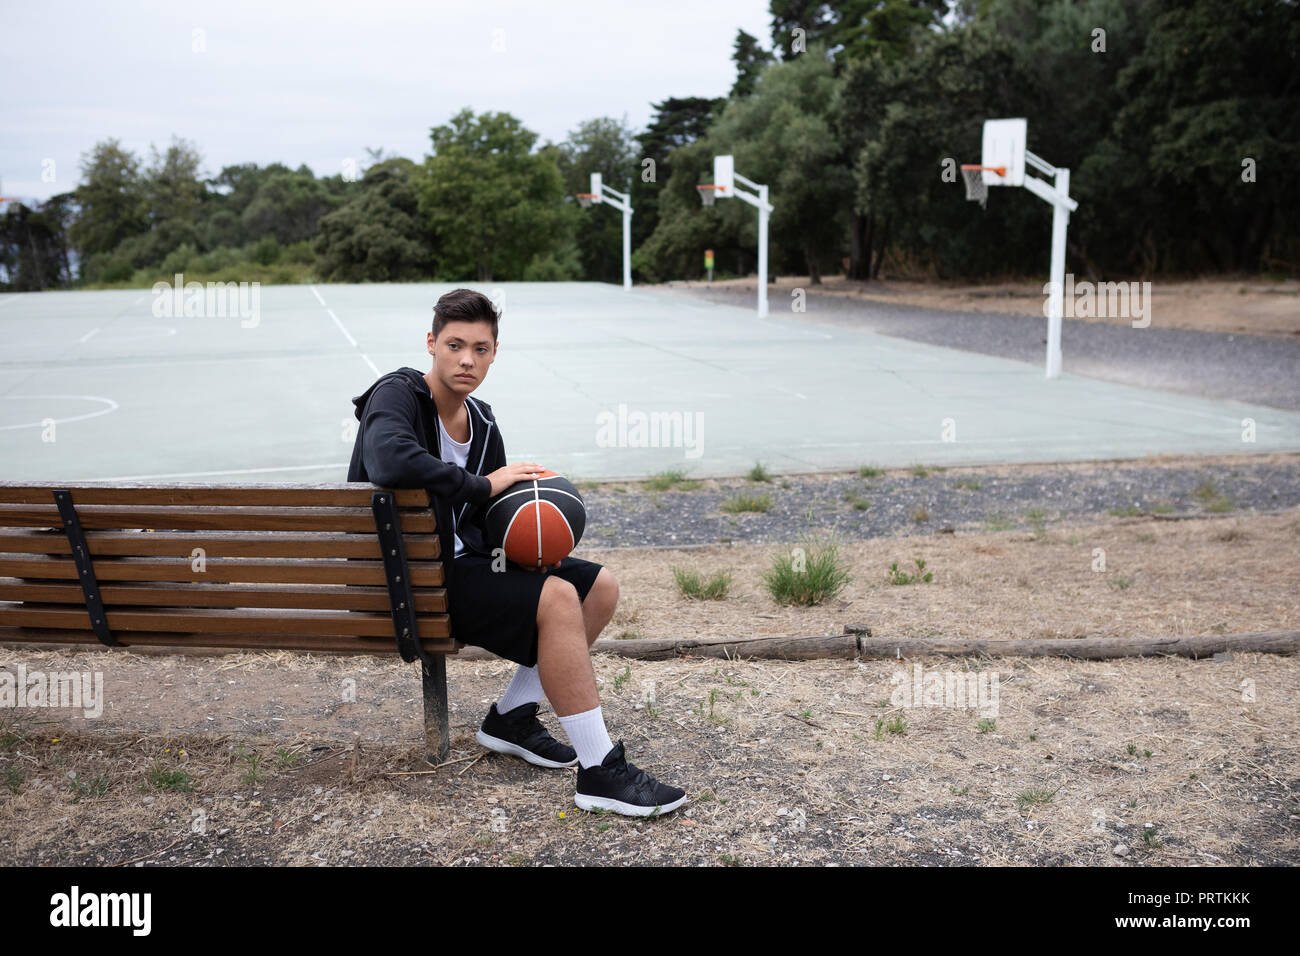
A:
<point x="315" y="83"/>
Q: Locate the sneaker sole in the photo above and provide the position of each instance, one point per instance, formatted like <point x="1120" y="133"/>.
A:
<point x="585" y="802"/>
<point x="506" y="747"/>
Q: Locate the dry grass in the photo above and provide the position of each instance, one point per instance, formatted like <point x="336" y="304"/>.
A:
<point x="785" y="762"/>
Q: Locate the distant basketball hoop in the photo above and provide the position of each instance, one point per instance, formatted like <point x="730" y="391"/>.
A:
<point x="976" y="189"/>
<point x="585" y="199"/>
<point x="709" y="193"/>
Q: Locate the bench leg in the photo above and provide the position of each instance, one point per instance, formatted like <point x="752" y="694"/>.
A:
<point x="437" y="731"/>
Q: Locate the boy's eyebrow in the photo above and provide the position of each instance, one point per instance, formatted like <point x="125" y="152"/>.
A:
<point x="457" y="338"/>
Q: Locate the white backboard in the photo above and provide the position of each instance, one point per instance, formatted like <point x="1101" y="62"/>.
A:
<point x="595" y="183"/>
<point x="1004" y="145"/>
<point x="724" y="174"/>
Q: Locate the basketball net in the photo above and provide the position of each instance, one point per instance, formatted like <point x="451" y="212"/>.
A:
<point x="976" y="188"/>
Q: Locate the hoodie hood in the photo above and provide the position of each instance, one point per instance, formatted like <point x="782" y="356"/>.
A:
<point x="412" y="377"/>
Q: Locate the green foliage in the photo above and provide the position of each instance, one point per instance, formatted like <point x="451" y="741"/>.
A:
<point x="809" y="575"/>
<point x="692" y="584"/>
<point x="379" y="235"/>
<point x="919" y="576"/>
<point x="490" y="202"/>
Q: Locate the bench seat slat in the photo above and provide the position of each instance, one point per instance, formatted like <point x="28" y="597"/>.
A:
<point x="194" y="493"/>
<point x="267" y="621"/>
<point x="252" y="642"/>
<point x="210" y="518"/>
<point x="233" y="544"/>
<point x="220" y="570"/>
<point x="324" y="597"/>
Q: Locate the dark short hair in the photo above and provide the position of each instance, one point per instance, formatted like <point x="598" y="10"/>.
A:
<point x="464" y="305"/>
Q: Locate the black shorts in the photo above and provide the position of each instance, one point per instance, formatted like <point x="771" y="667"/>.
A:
<point x="497" y="610"/>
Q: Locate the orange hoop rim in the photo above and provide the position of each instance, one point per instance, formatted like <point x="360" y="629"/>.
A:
<point x="585" y="195"/>
<point x="712" y="186"/>
<point x="1000" y="170"/>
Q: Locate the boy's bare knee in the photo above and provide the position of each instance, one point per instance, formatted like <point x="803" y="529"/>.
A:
<point x="558" y="597"/>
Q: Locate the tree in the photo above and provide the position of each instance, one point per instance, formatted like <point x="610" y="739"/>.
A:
<point x="112" y="200"/>
<point x="750" y="58"/>
<point x="604" y="145"/>
<point x="677" y="122"/>
<point x="34" y="245"/>
<point x="491" y="203"/>
<point x="288" y="206"/>
<point x="379" y="235"/>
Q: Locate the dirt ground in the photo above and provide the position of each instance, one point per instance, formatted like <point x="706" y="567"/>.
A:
<point x="1250" y="305"/>
<point x="299" y="760"/>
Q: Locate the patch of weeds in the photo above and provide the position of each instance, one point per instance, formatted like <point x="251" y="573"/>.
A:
<point x="785" y="483"/>
<point x="621" y="679"/>
<point x="285" y="759"/>
<point x="759" y="473"/>
<point x="921" y="514"/>
<point x="1035" y="796"/>
<point x="675" y="480"/>
<point x="1033" y="736"/>
<point x="516" y="859"/>
<point x="692" y="584"/>
<point x="713" y="698"/>
<point x="253" y="761"/>
<point x="859" y="503"/>
<point x="747" y="503"/>
<point x="895" y="725"/>
<point x="985" y="725"/>
<point x="1037" y="518"/>
<point x="806" y="713"/>
<point x="961" y="793"/>
<point x="1162" y="508"/>
<point x="1152" y="841"/>
<point x="866" y="471"/>
<point x="967" y="484"/>
<point x="999" y="523"/>
<point x="630" y="634"/>
<point x="13" y="778"/>
<point x="808" y="575"/>
<point x="919" y="471"/>
<point x="1146" y="538"/>
<point x="1147" y="754"/>
<point x="919" y="576"/>
<point x="1212" y="500"/>
<point x="96" y="787"/>
<point x="161" y="778"/>
<point x="706" y="795"/>
<point x="1132" y="749"/>
<point x="1121" y="582"/>
<point x="727" y="859"/>
<point x="1128" y="511"/>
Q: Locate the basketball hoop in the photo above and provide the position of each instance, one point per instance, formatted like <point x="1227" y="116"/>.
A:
<point x="976" y="188"/>
<point x="585" y="199"/>
<point x="709" y="193"/>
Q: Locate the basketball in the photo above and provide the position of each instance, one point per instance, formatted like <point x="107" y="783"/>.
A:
<point x="537" y="522"/>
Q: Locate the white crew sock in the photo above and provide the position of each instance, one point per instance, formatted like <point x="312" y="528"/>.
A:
<point x="525" y="688"/>
<point x="589" y="737"/>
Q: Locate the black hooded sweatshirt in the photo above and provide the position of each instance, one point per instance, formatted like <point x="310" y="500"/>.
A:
<point x="397" y="447"/>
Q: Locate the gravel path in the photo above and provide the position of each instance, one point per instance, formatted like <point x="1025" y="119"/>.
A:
<point x="1263" y="370"/>
<point x="905" y="501"/>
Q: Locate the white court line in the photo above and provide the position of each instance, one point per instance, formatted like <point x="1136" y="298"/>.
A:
<point x="139" y="300"/>
<point x="346" y="334"/>
<point x="234" y="471"/>
<point x="88" y="334"/>
<point x="351" y="341"/>
<point x="16" y="297"/>
<point x="112" y="407"/>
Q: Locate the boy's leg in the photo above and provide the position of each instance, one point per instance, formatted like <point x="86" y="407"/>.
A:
<point x="598" y="606"/>
<point x="563" y="658"/>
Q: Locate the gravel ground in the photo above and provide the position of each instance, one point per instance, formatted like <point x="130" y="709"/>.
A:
<point x="901" y="501"/>
<point x="1263" y="370"/>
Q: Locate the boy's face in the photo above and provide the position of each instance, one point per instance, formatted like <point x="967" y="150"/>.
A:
<point x="461" y="355"/>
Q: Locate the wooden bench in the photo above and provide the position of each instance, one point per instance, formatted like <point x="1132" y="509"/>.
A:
<point x="344" y="568"/>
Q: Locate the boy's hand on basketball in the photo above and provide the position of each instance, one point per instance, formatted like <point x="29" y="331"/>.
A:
<point x="509" y="475"/>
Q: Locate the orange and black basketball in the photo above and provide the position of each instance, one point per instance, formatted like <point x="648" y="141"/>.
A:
<point x="537" y="522"/>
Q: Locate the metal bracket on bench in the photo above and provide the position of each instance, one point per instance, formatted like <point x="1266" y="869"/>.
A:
<point x="85" y="568"/>
<point x="398" y="577"/>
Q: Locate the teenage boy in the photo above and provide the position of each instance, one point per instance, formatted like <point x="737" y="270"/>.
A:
<point x="426" y="431"/>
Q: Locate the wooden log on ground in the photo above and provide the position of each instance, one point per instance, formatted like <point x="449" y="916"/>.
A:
<point x="853" y="646"/>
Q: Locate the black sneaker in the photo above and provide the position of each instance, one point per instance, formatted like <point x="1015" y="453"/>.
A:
<point x="619" y="786"/>
<point x="520" y="733"/>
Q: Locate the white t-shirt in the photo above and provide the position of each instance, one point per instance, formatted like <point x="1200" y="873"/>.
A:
<point x="456" y="453"/>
